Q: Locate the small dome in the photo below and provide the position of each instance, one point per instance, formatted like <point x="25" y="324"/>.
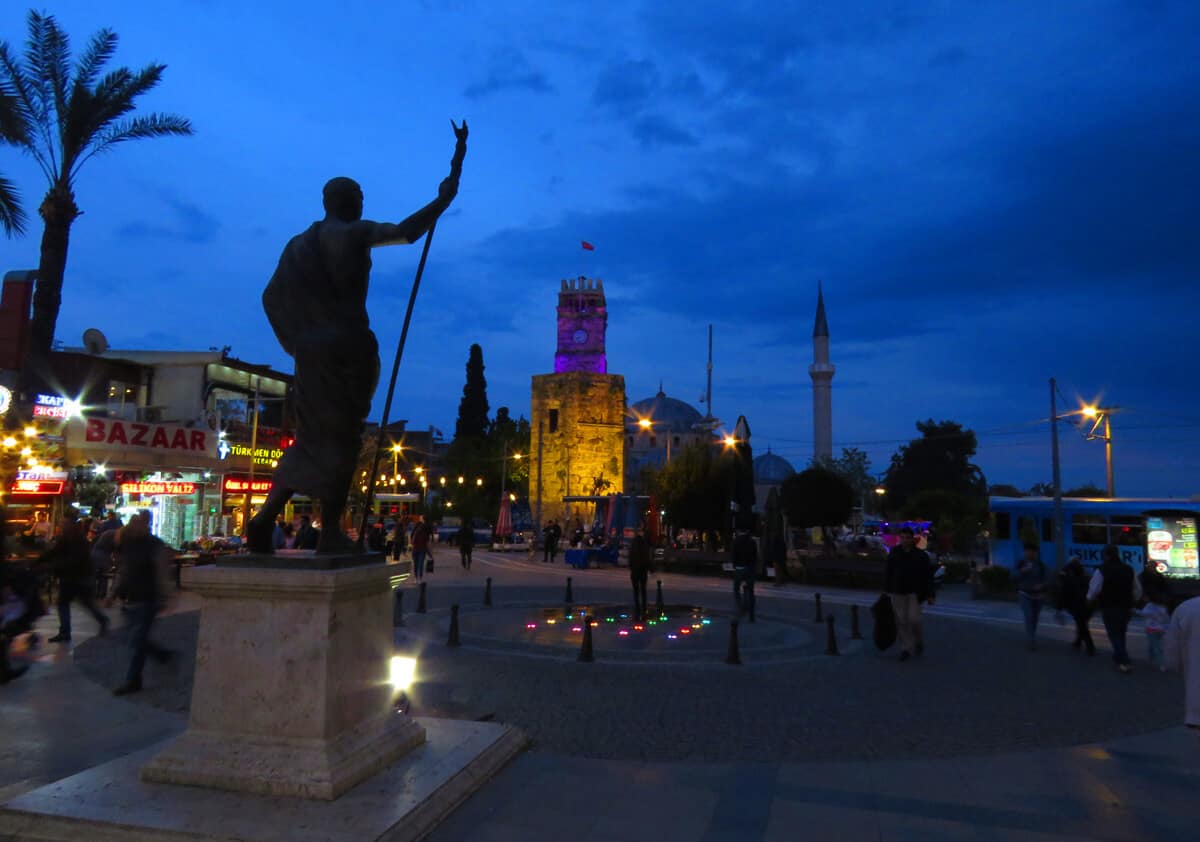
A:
<point x="770" y="469"/>
<point x="668" y="414"/>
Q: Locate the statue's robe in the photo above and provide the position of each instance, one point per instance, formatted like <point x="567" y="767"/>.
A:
<point x="316" y="303"/>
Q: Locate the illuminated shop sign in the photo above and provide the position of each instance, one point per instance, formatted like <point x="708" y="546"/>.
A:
<point x="1172" y="544"/>
<point x="41" y="474"/>
<point x="262" y="455"/>
<point x="5" y="399"/>
<point x="38" y="486"/>
<point x="107" y="433"/>
<point x="158" y="487"/>
<point x="235" y="485"/>
<point x="51" y="406"/>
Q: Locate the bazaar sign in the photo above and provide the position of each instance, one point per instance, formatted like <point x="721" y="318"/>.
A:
<point x="114" y="433"/>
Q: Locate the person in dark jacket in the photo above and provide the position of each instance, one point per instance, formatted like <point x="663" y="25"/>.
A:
<point x="909" y="582"/>
<point x="639" y="571"/>
<point x="141" y="583"/>
<point x="308" y="536"/>
<point x="421" y="535"/>
<point x="20" y="606"/>
<point x="1155" y="586"/>
<point x="1072" y="598"/>
<point x="1031" y="590"/>
<point x="466" y="543"/>
<point x="70" y="559"/>
<point x="745" y="569"/>
<point x="1116" y="590"/>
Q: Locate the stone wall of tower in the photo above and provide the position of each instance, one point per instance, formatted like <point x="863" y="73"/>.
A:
<point x="580" y="418"/>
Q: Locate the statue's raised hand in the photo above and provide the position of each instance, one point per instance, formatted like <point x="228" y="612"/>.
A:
<point x="460" y="132"/>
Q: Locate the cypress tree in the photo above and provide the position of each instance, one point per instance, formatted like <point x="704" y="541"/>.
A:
<point x="473" y="408"/>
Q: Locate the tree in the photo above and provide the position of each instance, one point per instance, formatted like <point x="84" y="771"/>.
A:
<point x="12" y="216"/>
<point x="940" y="459"/>
<point x="65" y="115"/>
<point x="693" y="488"/>
<point x="1005" y="490"/>
<point x="1087" y="490"/>
<point x="506" y="439"/>
<point x="816" y="497"/>
<point x="473" y="408"/>
<point x="854" y="467"/>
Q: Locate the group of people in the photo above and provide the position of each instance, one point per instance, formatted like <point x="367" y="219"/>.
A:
<point x="80" y="554"/>
<point x="298" y="534"/>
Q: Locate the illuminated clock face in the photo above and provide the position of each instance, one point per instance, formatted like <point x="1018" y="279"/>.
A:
<point x="580" y="336"/>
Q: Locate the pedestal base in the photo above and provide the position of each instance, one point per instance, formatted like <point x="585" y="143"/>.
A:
<point x="404" y="801"/>
<point x="291" y="692"/>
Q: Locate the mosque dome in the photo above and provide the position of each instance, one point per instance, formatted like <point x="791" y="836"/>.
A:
<point x="668" y="414"/>
<point x="772" y="469"/>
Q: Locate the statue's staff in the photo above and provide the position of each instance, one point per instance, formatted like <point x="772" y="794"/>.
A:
<point x="460" y="152"/>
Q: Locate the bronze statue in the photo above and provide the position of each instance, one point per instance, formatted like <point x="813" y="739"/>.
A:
<point x="316" y="303"/>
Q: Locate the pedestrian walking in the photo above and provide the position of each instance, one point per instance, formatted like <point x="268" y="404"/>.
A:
<point x="466" y="543"/>
<point x="550" y="537"/>
<point x="308" y="535"/>
<point x="399" y="540"/>
<point x="142" y="562"/>
<point x="745" y="569"/>
<point x="1072" y="598"/>
<point x="908" y="583"/>
<point x="1157" y="618"/>
<point x="1031" y="590"/>
<point x="420" y="547"/>
<point x="1116" y="590"/>
<point x="1182" y="654"/>
<point x="20" y="606"/>
<point x="639" y="571"/>
<point x="70" y="559"/>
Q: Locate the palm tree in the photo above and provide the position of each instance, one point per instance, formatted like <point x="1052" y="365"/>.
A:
<point x="12" y="216"/>
<point x="66" y="115"/>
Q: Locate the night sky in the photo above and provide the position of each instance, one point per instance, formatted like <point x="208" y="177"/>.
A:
<point x="992" y="194"/>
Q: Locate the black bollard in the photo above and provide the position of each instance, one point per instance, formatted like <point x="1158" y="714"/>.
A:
<point x="830" y="637"/>
<point x="658" y="601"/>
<point x="487" y="593"/>
<point x="421" y="599"/>
<point x="398" y="609"/>
<point x="570" y="598"/>
<point x="733" y="657"/>
<point x="818" y="618"/>
<point x="585" y="651"/>
<point x="855" y="634"/>
<point x="452" y="640"/>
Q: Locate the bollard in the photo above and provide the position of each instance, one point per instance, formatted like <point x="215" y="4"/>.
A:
<point x="733" y="657"/>
<point x="658" y="601"/>
<point x="818" y="618"/>
<point x="398" y="609"/>
<point x="830" y="637"/>
<point x="855" y="634"/>
<point x="421" y="599"/>
<point x="452" y="640"/>
<point x="570" y="598"/>
<point x="585" y="651"/>
<point x="487" y="593"/>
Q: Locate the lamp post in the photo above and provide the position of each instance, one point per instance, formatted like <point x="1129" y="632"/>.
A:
<point x="1059" y="548"/>
<point x="396" y="448"/>
<point x="1103" y="415"/>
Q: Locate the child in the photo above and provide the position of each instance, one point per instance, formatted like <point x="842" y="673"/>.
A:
<point x="1157" y="618"/>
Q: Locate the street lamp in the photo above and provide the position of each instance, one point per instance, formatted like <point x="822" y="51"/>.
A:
<point x="396" y="448"/>
<point x="1103" y="415"/>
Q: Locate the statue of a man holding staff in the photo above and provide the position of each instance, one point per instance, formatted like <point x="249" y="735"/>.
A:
<point x="316" y="303"/>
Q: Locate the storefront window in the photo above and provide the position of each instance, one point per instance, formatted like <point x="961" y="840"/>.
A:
<point x="122" y="400"/>
<point x="1089" y="529"/>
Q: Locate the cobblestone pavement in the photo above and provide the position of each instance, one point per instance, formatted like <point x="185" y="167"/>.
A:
<point x="976" y="691"/>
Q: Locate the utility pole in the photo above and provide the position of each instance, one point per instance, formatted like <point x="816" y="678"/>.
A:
<point x="1112" y="489"/>
<point x="1059" y="549"/>
<point x="503" y="471"/>
<point x="537" y="517"/>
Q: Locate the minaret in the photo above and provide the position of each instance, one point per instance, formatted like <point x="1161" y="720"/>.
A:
<point x="821" y="372"/>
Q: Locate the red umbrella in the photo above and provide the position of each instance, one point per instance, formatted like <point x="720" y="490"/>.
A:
<point x="653" y="523"/>
<point x="504" y="521"/>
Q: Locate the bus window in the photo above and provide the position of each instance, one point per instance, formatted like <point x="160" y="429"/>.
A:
<point x="1047" y="530"/>
<point x="1003" y="526"/>
<point x="1027" y="530"/>
<point x="1089" y="529"/>
<point x="1128" y="531"/>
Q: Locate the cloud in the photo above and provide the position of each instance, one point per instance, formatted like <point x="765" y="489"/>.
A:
<point x="191" y="223"/>
<point x="657" y="130"/>
<point x="509" y="71"/>
<point x="626" y="85"/>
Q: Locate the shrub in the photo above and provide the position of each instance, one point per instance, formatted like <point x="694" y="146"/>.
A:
<point x="996" y="579"/>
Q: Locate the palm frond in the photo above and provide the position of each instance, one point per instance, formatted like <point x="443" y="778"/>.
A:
<point x="12" y="217"/>
<point x="101" y="48"/>
<point x="13" y="76"/>
<point x="12" y="127"/>
<point x="149" y="125"/>
<point x="92" y="113"/>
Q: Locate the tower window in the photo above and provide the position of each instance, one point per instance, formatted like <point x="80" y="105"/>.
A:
<point x="675" y="441"/>
<point x="654" y="441"/>
<point x="554" y="420"/>
<point x="631" y="441"/>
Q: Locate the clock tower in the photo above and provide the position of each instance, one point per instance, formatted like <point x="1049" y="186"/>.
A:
<point x="582" y="319"/>
<point x="578" y="412"/>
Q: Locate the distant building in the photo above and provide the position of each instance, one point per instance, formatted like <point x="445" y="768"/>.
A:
<point x="770" y="471"/>
<point x="821" y="372"/>
<point x="657" y="429"/>
<point x="578" y="412"/>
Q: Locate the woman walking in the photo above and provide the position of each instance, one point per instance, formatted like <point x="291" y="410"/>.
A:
<point x="1116" y="590"/>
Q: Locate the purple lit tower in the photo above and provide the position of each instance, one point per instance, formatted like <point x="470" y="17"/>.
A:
<point x="582" y="320"/>
<point x="578" y="412"/>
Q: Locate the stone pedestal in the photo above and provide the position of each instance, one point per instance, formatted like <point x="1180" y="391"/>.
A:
<point x="291" y="692"/>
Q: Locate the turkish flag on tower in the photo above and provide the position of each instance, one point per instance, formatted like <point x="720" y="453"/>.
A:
<point x="587" y="246"/>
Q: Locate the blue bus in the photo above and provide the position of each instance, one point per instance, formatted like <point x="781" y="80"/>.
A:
<point x="1089" y="523"/>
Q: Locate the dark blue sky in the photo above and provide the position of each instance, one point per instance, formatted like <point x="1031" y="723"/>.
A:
<point x="993" y="193"/>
